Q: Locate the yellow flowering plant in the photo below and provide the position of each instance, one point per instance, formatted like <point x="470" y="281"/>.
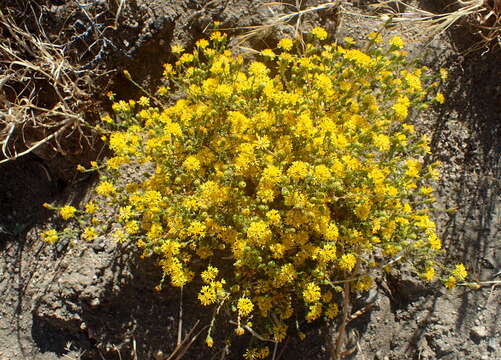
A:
<point x="286" y="176"/>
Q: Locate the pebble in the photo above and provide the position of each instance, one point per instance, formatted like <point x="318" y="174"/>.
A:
<point x="159" y="355"/>
<point x="479" y="332"/>
<point x="492" y="344"/>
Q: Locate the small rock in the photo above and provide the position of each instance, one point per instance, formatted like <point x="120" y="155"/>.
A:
<point x="98" y="245"/>
<point x="492" y="344"/>
<point x="159" y="355"/>
<point x="479" y="332"/>
<point x="380" y="356"/>
<point x="95" y="302"/>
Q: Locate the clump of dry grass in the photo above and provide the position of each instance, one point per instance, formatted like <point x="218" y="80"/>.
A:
<point x="482" y="15"/>
<point x="45" y="96"/>
<point x="488" y="21"/>
<point x="290" y="15"/>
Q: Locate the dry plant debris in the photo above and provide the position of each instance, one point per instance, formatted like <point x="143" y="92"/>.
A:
<point x="482" y="15"/>
<point x="46" y="94"/>
<point x="286" y="14"/>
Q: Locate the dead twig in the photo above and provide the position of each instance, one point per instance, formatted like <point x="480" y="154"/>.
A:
<point x="338" y="349"/>
<point x="188" y="340"/>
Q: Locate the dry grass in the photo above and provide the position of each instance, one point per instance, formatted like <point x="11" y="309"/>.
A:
<point x="483" y="15"/>
<point x="43" y="95"/>
<point x="288" y="15"/>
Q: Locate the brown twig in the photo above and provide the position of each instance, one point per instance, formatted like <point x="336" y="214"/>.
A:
<point x="188" y="340"/>
<point x="337" y="351"/>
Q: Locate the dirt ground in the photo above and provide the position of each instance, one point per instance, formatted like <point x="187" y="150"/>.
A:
<point x="96" y="301"/>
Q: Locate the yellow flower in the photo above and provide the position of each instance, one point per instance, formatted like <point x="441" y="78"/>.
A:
<point x="311" y="293"/>
<point x="131" y="227"/>
<point x="450" y="283"/>
<point x="268" y="53"/>
<point x="331" y="233"/>
<point x="376" y="37"/>
<point x="202" y="43"/>
<point x="426" y="190"/>
<point x="279" y="332"/>
<point x="50" y="236"/>
<point x="397" y="42"/>
<point x="67" y="212"/>
<point x="332" y="311"/>
<point x="89" y="234"/>
<point x="119" y="236"/>
<point x="434" y="241"/>
<point x="440" y="98"/>
<point x="186" y="58"/>
<point x="90" y="207"/>
<point x="296" y="164"/>
<point x="163" y="90"/>
<point x="298" y="170"/>
<point x="244" y="306"/>
<point x="177" y="49"/>
<point x="322" y="174"/>
<point x="319" y="33"/>
<point x="347" y="262"/>
<point x="257" y="68"/>
<point x="259" y="232"/>
<point x="382" y="142"/>
<point x="209" y="341"/>
<point x="197" y="229"/>
<point x="271" y="175"/>
<point x="273" y="217"/>
<point x="256" y="353"/>
<point x="359" y="57"/>
<point x="429" y="274"/>
<point x="285" y="44"/>
<point x="168" y="70"/>
<point x="144" y="101"/>
<point x="207" y="295"/>
<point x="314" y="312"/>
<point x="105" y="189"/>
<point x="460" y="272"/>
<point x="413" y="168"/>
<point x="443" y="74"/>
<point x="349" y="40"/>
<point x="401" y="110"/>
<point x="217" y="36"/>
<point x="191" y="164"/>
<point x="210" y="274"/>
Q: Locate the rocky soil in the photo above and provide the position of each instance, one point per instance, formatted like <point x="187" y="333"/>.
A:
<point x="96" y="301"/>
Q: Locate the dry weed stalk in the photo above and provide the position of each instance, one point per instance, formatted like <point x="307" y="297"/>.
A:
<point x="484" y="15"/>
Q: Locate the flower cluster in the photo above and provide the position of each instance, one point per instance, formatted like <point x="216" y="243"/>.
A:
<point x="288" y="174"/>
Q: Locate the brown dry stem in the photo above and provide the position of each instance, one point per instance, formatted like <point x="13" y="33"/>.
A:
<point x="338" y="349"/>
